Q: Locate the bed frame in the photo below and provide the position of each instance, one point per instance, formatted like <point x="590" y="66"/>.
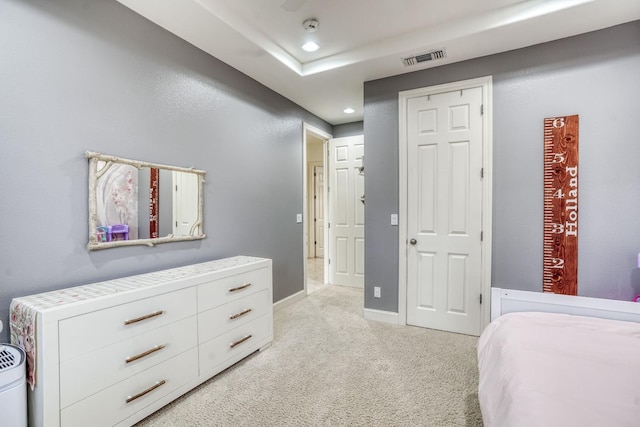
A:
<point x="505" y="301"/>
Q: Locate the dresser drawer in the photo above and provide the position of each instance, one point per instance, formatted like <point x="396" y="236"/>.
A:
<point x="95" y="371"/>
<point x="241" y="341"/>
<point x="83" y="334"/>
<point x="109" y="406"/>
<point x="219" y="320"/>
<point x="222" y="291"/>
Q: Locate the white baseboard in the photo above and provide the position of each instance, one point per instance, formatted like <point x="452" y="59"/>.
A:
<point x="291" y="299"/>
<point x="381" y="316"/>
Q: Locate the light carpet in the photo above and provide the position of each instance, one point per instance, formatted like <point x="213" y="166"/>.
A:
<point x="328" y="366"/>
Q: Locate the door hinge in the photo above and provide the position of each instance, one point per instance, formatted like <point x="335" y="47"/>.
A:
<point x="482" y="236"/>
<point x="480" y="298"/>
<point x="482" y="109"/>
<point x="329" y="260"/>
<point x="328" y="225"/>
<point x="481" y="173"/>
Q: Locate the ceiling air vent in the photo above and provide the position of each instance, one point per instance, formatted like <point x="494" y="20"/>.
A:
<point x="424" y="57"/>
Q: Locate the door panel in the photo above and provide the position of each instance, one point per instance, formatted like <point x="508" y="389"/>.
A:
<point x="346" y="212"/>
<point x="341" y="260"/>
<point x="342" y="201"/>
<point x="426" y="291"/>
<point x="428" y="179"/>
<point x="459" y="179"/>
<point x="444" y="210"/>
<point x="457" y="286"/>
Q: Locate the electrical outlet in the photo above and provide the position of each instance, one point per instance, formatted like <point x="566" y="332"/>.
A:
<point x="394" y="219"/>
<point x="376" y="292"/>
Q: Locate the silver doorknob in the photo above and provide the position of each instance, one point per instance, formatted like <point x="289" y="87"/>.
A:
<point x="413" y="242"/>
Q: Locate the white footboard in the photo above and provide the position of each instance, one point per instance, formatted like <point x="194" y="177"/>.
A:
<point x="507" y="301"/>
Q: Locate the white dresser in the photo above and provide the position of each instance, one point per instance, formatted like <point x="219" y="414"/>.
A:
<point x="113" y="352"/>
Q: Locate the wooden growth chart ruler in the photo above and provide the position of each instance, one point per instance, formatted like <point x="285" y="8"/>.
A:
<point x="560" y="244"/>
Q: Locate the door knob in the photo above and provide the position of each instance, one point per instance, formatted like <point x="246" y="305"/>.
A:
<point x="413" y="242"/>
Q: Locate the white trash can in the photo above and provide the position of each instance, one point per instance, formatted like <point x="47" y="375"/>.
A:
<point x="13" y="386"/>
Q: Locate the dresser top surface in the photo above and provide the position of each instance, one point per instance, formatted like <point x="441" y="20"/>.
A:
<point x="95" y="290"/>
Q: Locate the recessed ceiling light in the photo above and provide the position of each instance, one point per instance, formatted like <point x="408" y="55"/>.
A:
<point x="349" y="110"/>
<point x="310" y="47"/>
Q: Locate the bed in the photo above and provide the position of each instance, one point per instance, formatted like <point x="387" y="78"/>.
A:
<point x="558" y="360"/>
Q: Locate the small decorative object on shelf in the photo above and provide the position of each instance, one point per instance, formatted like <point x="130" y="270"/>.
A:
<point x="110" y="233"/>
<point x="120" y="232"/>
<point x="103" y="234"/>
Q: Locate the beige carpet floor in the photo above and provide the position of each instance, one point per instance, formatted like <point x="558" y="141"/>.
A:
<point x="328" y="366"/>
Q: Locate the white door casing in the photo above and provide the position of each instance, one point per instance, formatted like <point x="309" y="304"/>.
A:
<point x="308" y="132"/>
<point x="346" y="211"/>
<point x="446" y="233"/>
<point x="318" y="173"/>
<point x="185" y="203"/>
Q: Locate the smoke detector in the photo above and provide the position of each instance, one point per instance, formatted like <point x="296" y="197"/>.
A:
<point x="311" y="25"/>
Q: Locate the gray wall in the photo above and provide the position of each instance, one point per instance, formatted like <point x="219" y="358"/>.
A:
<point x="594" y="75"/>
<point x="348" y="129"/>
<point x="92" y="75"/>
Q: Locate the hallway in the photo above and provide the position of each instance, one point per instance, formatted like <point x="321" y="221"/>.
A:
<point x="315" y="274"/>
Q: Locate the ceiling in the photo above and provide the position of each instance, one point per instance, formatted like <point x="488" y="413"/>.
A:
<point x="362" y="40"/>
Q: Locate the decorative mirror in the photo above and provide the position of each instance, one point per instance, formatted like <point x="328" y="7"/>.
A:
<point x="132" y="202"/>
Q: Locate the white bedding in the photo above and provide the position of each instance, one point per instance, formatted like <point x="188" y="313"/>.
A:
<point x="548" y="369"/>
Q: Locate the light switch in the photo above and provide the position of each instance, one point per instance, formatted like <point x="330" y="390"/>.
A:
<point x="298" y="218"/>
<point x="394" y="219"/>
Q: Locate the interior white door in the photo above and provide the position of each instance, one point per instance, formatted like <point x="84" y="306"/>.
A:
<point x="185" y="203"/>
<point x="444" y="210"/>
<point x="318" y="210"/>
<point x="346" y="211"/>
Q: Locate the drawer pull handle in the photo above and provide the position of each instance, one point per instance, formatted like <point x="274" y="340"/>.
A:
<point x="143" y="354"/>
<point x="242" y="313"/>
<point x="145" y="317"/>
<point x="232" y="345"/>
<point x="238" y="288"/>
<point x="142" y="393"/>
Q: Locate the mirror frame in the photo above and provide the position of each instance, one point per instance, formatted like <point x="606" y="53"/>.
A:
<point x="93" y="243"/>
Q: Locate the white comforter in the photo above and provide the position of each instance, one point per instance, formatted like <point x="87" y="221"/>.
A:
<point x="547" y="370"/>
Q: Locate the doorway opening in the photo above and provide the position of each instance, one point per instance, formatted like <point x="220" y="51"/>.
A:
<point x="315" y="208"/>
